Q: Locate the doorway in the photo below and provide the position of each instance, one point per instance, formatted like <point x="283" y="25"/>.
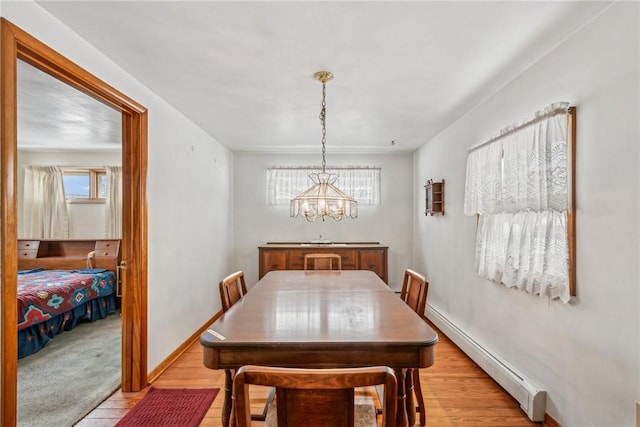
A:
<point x="63" y="129"/>
<point x="17" y="44"/>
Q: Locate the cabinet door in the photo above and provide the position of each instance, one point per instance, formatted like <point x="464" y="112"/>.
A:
<point x="348" y="258"/>
<point x="374" y="260"/>
<point x="296" y="258"/>
<point x="273" y="260"/>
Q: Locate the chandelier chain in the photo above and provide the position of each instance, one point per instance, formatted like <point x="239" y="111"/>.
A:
<point x="323" y="199"/>
<point x="323" y="119"/>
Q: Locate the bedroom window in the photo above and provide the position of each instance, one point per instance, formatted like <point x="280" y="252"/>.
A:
<point x="284" y="183"/>
<point x="85" y="185"/>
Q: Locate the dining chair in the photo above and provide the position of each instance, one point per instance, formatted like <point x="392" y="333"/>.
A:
<point x="316" y="397"/>
<point x="232" y="288"/>
<point x="322" y="261"/>
<point x="414" y="293"/>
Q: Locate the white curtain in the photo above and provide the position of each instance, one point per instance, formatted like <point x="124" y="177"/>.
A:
<point x="113" y="202"/>
<point x="44" y="205"/>
<point x="518" y="184"/>
<point x="362" y="184"/>
<point x="285" y="183"/>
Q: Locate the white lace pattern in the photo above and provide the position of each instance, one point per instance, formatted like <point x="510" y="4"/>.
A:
<point x="518" y="184"/>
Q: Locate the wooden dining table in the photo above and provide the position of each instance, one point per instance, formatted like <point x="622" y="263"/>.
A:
<point x="321" y="319"/>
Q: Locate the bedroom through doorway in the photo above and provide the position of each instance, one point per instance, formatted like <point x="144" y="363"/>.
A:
<point x="71" y="144"/>
<point x="16" y="46"/>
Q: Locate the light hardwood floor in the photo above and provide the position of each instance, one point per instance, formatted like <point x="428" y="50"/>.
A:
<point x="456" y="391"/>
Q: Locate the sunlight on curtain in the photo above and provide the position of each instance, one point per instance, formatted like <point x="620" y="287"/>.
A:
<point x="519" y="186"/>
<point x="113" y="203"/>
<point x="285" y="183"/>
<point x="45" y="207"/>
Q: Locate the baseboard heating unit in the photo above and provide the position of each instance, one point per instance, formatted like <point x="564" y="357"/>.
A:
<point x="531" y="398"/>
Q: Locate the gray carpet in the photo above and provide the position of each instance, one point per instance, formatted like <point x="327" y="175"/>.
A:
<point x="73" y="374"/>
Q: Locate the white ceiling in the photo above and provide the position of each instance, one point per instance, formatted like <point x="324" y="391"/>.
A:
<point x="404" y="71"/>
<point x="53" y="116"/>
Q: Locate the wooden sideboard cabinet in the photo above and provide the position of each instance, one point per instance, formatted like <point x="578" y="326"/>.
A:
<point x="355" y="256"/>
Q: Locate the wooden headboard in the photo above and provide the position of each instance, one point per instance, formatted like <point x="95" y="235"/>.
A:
<point x="68" y="254"/>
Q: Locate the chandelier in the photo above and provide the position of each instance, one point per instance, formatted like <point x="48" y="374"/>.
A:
<point x="324" y="199"/>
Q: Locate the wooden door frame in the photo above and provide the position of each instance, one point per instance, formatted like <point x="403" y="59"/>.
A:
<point x="17" y="44"/>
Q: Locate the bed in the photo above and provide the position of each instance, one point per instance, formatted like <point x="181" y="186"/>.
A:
<point x="53" y="301"/>
<point x="56" y="292"/>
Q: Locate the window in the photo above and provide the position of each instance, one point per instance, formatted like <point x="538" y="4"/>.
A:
<point x="285" y="183"/>
<point x="85" y="185"/>
<point x="521" y="185"/>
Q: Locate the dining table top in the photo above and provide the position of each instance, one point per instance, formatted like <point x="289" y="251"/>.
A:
<point x="342" y="318"/>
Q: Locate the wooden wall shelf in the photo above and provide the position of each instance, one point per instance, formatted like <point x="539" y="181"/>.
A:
<point x="434" y="197"/>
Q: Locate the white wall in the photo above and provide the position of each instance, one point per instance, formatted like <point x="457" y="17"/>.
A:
<point x="189" y="187"/>
<point x="585" y="354"/>
<point x="86" y="220"/>
<point x="388" y="223"/>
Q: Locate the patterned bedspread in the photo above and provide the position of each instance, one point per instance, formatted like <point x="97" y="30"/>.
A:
<point x="44" y="294"/>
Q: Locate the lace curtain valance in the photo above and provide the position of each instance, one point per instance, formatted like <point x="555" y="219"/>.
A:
<point x="519" y="184"/>
<point x="284" y="183"/>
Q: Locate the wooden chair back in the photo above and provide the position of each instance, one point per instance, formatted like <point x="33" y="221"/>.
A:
<point x="414" y="291"/>
<point x="232" y="288"/>
<point x="322" y="262"/>
<point x="314" y="397"/>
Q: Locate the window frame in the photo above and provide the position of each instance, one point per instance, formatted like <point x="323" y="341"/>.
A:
<point x="94" y="174"/>
<point x="571" y="207"/>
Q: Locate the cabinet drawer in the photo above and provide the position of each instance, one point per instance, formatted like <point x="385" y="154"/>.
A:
<point x="111" y="253"/>
<point x="28" y="244"/>
<point x="107" y="245"/>
<point x="107" y="248"/>
<point x="27" y="253"/>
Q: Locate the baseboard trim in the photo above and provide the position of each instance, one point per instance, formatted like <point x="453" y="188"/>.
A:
<point x="550" y="422"/>
<point x="155" y="373"/>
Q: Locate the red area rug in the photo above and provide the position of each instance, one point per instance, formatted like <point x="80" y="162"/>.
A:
<point x="179" y="407"/>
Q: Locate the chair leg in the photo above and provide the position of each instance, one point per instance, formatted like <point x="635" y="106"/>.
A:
<point x="227" y="406"/>
<point x="417" y="388"/>
<point x="380" y="393"/>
